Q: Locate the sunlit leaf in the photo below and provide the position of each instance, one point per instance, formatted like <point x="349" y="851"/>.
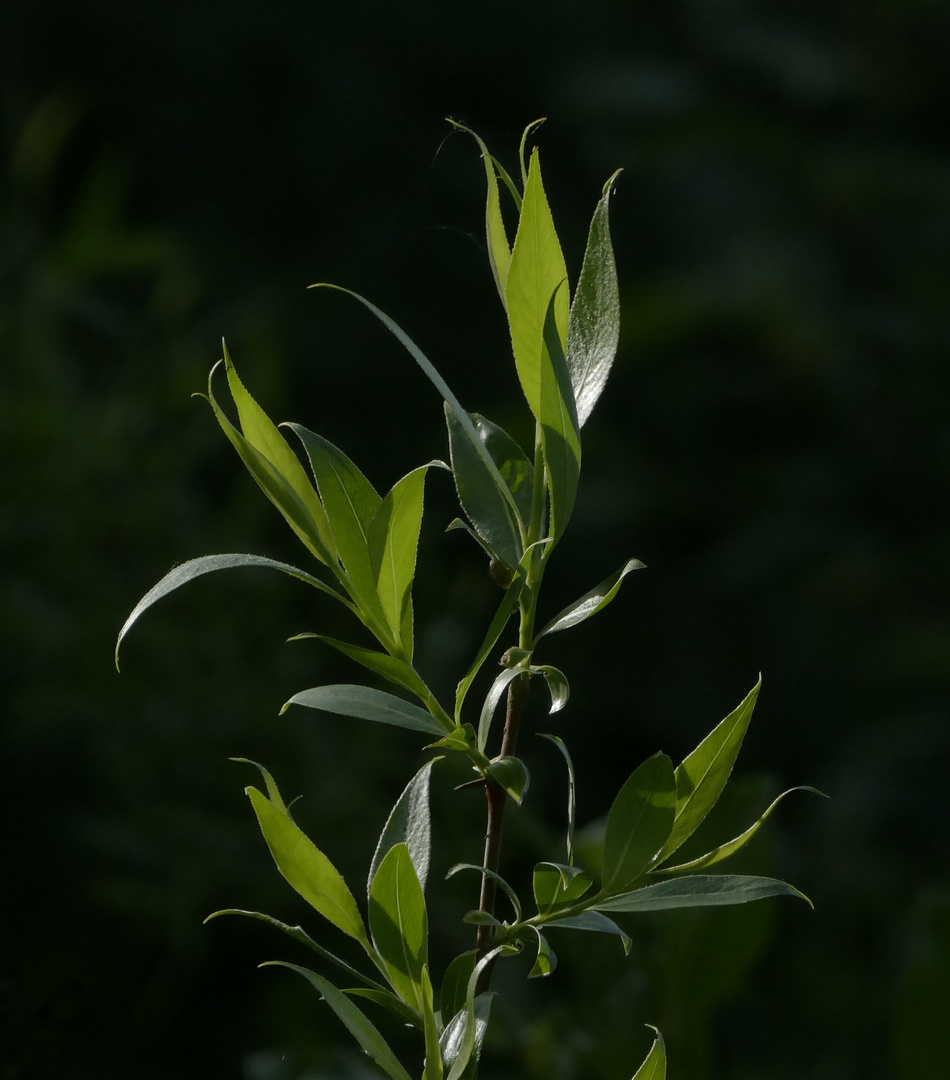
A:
<point x="409" y="823"/>
<point x="560" y="432"/>
<point x="639" y="822"/>
<point x="512" y="774"/>
<point x="571" y="792"/>
<point x="465" y="1044"/>
<point x="654" y="1067"/>
<point x="206" y="564"/>
<point x="555" y="884"/>
<point x="498" y="687"/>
<point x="398" y="922"/>
<point x="356" y="1021"/>
<point x="700" y="890"/>
<point x="702" y="776"/>
<point x="454" y="1036"/>
<point x="345" y="699"/>
<point x="591" y="920"/>
<point x="591" y="602"/>
<point x="306" y="868"/>
<point x="558" y="686"/>
<point x="594" y="325"/>
<point x="725" y="851"/>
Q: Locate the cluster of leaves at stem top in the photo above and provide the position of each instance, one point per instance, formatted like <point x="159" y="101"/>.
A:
<point x="363" y="546"/>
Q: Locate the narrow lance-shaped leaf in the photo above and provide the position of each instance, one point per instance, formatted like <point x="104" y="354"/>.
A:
<point x="654" y="1067"/>
<point x="594" y="325"/>
<point x="591" y="920"/>
<point x="591" y="602"/>
<point x="409" y="823"/>
<point x="535" y="275"/>
<point x="499" y="254"/>
<point x="702" y="775"/>
<point x="497" y="878"/>
<point x="399" y="925"/>
<point x="467" y="1043"/>
<point x="492" y="698"/>
<point x="638" y="823"/>
<point x="206" y="564"/>
<point x="571" y="792"/>
<point x="364" y="702"/>
<point x="393" y="541"/>
<point x="546" y="960"/>
<point x="454" y="1036"/>
<point x="700" y="890"/>
<point x="454" y="984"/>
<point x="356" y="1021"/>
<point x="306" y="868"/>
<point x="433" y="1068"/>
<point x="727" y="850"/>
<point x="560" y="433"/>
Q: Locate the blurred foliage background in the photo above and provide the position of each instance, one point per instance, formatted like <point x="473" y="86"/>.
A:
<point x="773" y="445"/>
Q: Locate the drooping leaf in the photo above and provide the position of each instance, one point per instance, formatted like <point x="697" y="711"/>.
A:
<point x="512" y="773"/>
<point x="275" y="468"/>
<point x="498" y="687"/>
<point x="206" y="564"/>
<point x="535" y="274"/>
<point x="487" y="507"/>
<point x="591" y="920"/>
<point x="356" y="1021"/>
<point x="398" y="922"/>
<point x="555" y="884"/>
<point x="591" y="602"/>
<point x="558" y="686"/>
<point x="546" y="960"/>
<point x="496" y="877"/>
<point x="347" y="699"/>
<point x="299" y="935"/>
<point x="306" y="868"/>
<point x="571" y="792"/>
<point x="594" y="326"/>
<point x="638" y="823"/>
<point x="499" y="254"/>
<point x="409" y="823"/>
<point x="725" y="851"/>
<point x="273" y="792"/>
<point x="702" y="775"/>
<point x="654" y="1066"/>
<point x="560" y="432"/>
<point x="700" y="890"/>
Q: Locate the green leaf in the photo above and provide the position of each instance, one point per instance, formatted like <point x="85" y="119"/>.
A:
<point x="555" y="884"/>
<point x="725" y="851"/>
<point x="571" y="792"/>
<point x="389" y="667"/>
<point x="638" y="823"/>
<point x="702" y="776"/>
<point x="273" y="792"/>
<point x="206" y="564"/>
<point x="591" y="602"/>
<point x="434" y="377"/>
<point x="388" y="1000"/>
<point x="487" y="507"/>
<point x="591" y="920"/>
<point x="512" y="462"/>
<point x="306" y="868"/>
<point x="700" y="890"/>
<point x="535" y="275"/>
<point x="393" y="541"/>
<point x="455" y="1037"/>
<point x="480" y="918"/>
<point x="454" y="984"/>
<point x="558" y="686"/>
<point x="398" y="922"/>
<point x="594" y="326"/>
<point x="356" y="1021"/>
<point x="461" y="738"/>
<point x="512" y="774"/>
<point x="409" y="823"/>
<point x="347" y="699"/>
<point x="498" y="687"/>
<point x="499" y="254"/>
<point x="496" y="877"/>
<point x="433" y="1058"/>
<point x="560" y="432"/>
<point x="275" y="467"/>
<point x="303" y="938"/>
<point x="654" y="1066"/>
<point x="546" y="960"/>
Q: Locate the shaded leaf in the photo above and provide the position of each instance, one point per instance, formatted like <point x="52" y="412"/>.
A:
<point x="546" y="960"/>
<point x="591" y="920"/>
<point x="306" y="868"/>
<point x="554" y="884"/>
<point x="702" y="776"/>
<point x="347" y="699"/>
<point x="498" y="687"/>
<point x="398" y="922"/>
<point x="509" y="891"/>
<point x="700" y="890"/>
<point x="433" y="1060"/>
<point x="571" y="792"/>
<point x="639" y="822"/>
<point x="454" y="1036"/>
<point x="594" y="325"/>
<point x="454" y="985"/>
<point x="388" y="1000"/>
<point x="467" y="1043"/>
<point x="389" y="667"/>
<point x="356" y="1021"/>
<point x="591" y="602"/>
<point x="560" y="432"/>
<point x="206" y="564"/>
<point x="513" y="464"/>
<point x="409" y="823"/>
<point x="512" y="774"/>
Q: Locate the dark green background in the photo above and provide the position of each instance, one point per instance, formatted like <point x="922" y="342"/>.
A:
<point x="773" y="444"/>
